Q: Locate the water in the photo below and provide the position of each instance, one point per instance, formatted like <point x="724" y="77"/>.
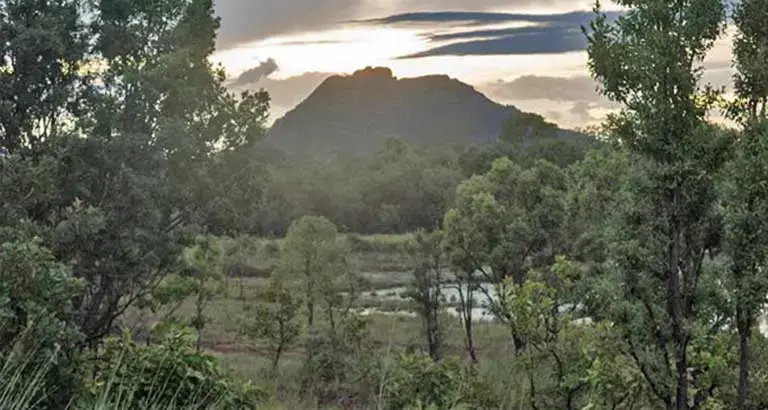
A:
<point x="451" y="295"/>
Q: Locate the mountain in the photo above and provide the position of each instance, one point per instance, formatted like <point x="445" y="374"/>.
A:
<point x="356" y="113"/>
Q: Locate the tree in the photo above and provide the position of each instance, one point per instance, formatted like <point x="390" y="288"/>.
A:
<point x="745" y="196"/>
<point x="43" y="47"/>
<point x="648" y="61"/>
<point x="205" y="258"/>
<point x="427" y="257"/>
<point x="311" y="256"/>
<point x="506" y="222"/>
<point x="276" y="319"/>
<point x="542" y="312"/>
<point x="127" y="117"/>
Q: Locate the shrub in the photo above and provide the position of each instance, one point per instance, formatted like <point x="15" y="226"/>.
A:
<point x="415" y="381"/>
<point x="39" y="335"/>
<point x="170" y="375"/>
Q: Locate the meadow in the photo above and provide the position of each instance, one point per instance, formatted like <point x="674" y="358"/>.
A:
<point x="393" y="325"/>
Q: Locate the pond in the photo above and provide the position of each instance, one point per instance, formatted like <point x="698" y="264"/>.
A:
<point x="451" y="298"/>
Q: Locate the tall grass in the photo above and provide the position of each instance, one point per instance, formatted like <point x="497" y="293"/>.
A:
<point x="22" y="381"/>
<point x="23" y="387"/>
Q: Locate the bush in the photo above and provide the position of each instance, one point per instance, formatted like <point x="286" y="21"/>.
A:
<point x="415" y="381"/>
<point x="39" y="334"/>
<point x="171" y="375"/>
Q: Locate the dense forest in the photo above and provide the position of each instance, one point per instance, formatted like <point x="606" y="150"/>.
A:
<point x="158" y="252"/>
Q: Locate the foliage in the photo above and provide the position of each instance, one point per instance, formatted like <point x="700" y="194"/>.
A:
<point x="648" y="61"/>
<point x="542" y="313"/>
<point x="415" y="382"/>
<point x="38" y="322"/>
<point x="426" y="252"/>
<point x="275" y="319"/>
<point x="205" y="258"/>
<point x="744" y="195"/>
<point x="312" y="257"/>
<point x="169" y="375"/>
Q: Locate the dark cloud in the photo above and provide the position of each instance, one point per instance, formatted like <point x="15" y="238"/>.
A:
<point x="481" y="5"/>
<point x="547" y="34"/>
<point x="477" y="17"/>
<point x="534" y="40"/>
<point x="255" y="74"/>
<point x="244" y="21"/>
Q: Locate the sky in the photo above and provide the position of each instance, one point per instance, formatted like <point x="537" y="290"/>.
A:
<point x="528" y="53"/>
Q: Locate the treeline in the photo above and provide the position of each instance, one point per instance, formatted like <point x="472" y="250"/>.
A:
<point x="398" y="189"/>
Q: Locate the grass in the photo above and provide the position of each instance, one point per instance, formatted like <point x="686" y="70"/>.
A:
<point x="381" y="261"/>
<point x="22" y="388"/>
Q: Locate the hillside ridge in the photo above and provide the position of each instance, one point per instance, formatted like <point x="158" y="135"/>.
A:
<point x="356" y="113"/>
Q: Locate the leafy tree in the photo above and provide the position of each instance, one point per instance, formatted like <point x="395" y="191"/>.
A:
<point x="648" y="61"/>
<point x="312" y="256"/>
<point x="614" y="380"/>
<point x="276" y="319"/>
<point x="744" y="195"/>
<point x="427" y="258"/>
<point x="506" y="222"/>
<point x="43" y="47"/>
<point x="594" y="187"/>
<point x="205" y="258"/>
<point x="542" y="312"/>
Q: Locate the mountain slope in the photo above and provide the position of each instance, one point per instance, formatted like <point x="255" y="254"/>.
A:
<point x="357" y="113"/>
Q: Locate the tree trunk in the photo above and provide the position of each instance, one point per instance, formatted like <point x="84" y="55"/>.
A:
<point x="682" y="378"/>
<point x="468" y="327"/>
<point x="433" y="336"/>
<point x="310" y="313"/>
<point x="465" y="310"/>
<point x="276" y="358"/>
<point x="744" y="323"/>
<point x="675" y="300"/>
<point x="519" y="344"/>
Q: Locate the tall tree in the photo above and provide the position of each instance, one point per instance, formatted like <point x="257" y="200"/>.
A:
<point x="127" y="117"/>
<point x="506" y="222"/>
<point x="745" y="194"/>
<point x="649" y="61"/>
<point x="43" y="46"/>
<point x="312" y="257"/>
<point x="427" y="259"/>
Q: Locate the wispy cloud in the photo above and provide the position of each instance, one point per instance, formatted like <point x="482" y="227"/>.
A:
<point x="542" y="33"/>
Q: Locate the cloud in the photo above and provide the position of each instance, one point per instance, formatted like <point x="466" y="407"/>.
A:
<point x="535" y="87"/>
<point x="526" y="41"/>
<point x="576" y="18"/>
<point x="582" y="111"/>
<point x="545" y="34"/>
<point x="244" y="21"/>
<point x="255" y="74"/>
<point x="286" y="93"/>
<point x="289" y="92"/>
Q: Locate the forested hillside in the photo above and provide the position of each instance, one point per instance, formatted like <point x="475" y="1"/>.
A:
<point x="160" y="248"/>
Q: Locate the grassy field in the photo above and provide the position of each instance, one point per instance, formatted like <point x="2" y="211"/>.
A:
<point x="380" y="260"/>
